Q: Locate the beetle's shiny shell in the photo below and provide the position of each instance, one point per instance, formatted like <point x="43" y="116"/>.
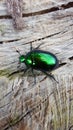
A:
<point x="41" y="60"/>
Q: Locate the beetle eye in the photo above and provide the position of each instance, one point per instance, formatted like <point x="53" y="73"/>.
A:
<point x="22" y="58"/>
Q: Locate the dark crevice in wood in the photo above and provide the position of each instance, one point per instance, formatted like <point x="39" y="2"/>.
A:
<point x="68" y="5"/>
<point x="63" y="6"/>
<point x="4" y="105"/>
<point x="5" y="17"/>
<point x="32" y="13"/>
<point x="43" y="38"/>
<point x="33" y="40"/>
<point x="16" y="72"/>
<point x="1" y="42"/>
<point x="11" y="40"/>
<point x="49" y="36"/>
<point x="62" y="64"/>
<point x="41" y="12"/>
<point x="71" y="58"/>
<point x="5" y="95"/>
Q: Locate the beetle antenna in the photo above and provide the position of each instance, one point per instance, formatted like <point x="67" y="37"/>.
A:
<point x="17" y="51"/>
<point x="38" y="46"/>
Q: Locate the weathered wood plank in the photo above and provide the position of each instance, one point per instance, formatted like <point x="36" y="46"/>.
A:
<point x="46" y="23"/>
<point x="46" y="105"/>
<point x="37" y="5"/>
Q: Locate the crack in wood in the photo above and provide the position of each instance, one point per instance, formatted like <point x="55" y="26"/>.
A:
<point x="12" y="40"/>
<point x="68" y="5"/>
<point x="4" y="105"/>
<point x="16" y="72"/>
<point x="63" y="6"/>
<point x="41" y="12"/>
<point x="56" y="8"/>
<point x="71" y="58"/>
<point x="6" y="95"/>
<point x="1" y="42"/>
<point x="39" y="39"/>
<point x="62" y="64"/>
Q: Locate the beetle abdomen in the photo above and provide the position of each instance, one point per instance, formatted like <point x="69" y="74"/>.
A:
<point x="41" y="60"/>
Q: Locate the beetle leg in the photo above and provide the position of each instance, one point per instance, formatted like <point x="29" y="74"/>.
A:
<point x="51" y="76"/>
<point x="25" y="70"/>
<point x="31" y="48"/>
<point x="34" y="76"/>
<point x="18" y="62"/>
<point x="18" y="65"/>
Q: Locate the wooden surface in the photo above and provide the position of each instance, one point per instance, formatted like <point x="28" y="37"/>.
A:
<point x="46" y="105"/>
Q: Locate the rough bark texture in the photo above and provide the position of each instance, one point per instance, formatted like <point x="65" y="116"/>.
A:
<point x="46" y="105"/>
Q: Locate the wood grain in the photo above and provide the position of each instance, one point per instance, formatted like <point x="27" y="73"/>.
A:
<point x="45" y="105"/>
